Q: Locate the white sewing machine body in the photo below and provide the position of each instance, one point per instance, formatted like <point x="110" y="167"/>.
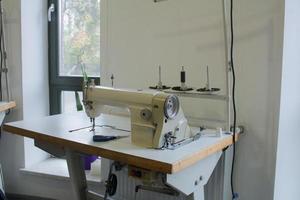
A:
<point x="156" y="117"/>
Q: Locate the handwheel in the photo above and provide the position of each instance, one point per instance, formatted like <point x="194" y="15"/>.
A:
<point x="111" y="184"/>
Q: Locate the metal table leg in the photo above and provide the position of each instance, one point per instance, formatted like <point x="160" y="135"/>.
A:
<point x="77" y="175"/>
<point x="191" y="181"/>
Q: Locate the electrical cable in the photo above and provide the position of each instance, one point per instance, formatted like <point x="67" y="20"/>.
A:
<point x="1" y="59"/>
<point x="234" y="195"/>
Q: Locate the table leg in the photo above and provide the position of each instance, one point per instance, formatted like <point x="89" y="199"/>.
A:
<point x="77" y="175"/>
<point x="226" y="173"/>
<point x="191" y="181"/>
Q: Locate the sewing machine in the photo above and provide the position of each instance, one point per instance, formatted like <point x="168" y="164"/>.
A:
<point x="157" y="120"/>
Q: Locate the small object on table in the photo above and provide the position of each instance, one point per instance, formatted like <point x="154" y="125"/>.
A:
<point x="183" y="86"/>
<point x="112" y="80"/>
<point x="105" y="138"/>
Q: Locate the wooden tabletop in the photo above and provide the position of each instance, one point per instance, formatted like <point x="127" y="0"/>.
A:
<point x="55" y="130"/>
<point x="7" y="105"/>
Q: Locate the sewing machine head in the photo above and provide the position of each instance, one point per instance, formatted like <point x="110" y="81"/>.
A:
<point x="157" y="119"/>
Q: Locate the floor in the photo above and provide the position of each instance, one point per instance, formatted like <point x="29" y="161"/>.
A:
<point x="19" y="197"/>
<point x="57" y="168"/>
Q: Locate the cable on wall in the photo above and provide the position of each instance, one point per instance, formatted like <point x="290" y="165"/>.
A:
<point x="1" y="54"/>
<point x="234" y="194"/>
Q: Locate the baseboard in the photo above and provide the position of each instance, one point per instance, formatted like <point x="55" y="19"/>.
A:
<point x="24" y="197"/>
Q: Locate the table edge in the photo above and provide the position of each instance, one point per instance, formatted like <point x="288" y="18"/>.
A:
<point x="137" y="161"/>
<point x="7" y="106"/>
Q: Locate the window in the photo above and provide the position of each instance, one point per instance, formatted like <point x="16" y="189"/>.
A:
<point x="74" y="44"/>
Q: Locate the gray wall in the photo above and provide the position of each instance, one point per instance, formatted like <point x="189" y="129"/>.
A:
<point x="288" y="162"/>
<point x="11" y="147"/>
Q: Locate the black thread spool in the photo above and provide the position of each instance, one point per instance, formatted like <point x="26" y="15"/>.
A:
<point x="183" y="87"/>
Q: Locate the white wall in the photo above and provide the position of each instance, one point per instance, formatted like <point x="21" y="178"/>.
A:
<point x="27" y="60"/>
<point x="35" y="70"/>
<point x="288" y="164"/>
<point x="137" y="36"/>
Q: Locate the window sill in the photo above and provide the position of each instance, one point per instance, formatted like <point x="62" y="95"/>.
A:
<point x="56" y="168"/>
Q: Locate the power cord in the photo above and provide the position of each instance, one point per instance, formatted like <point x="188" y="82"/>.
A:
<point x="234" y="194"/>
<point x="1" y="60"/>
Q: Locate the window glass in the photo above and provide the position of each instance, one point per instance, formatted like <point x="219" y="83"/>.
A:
<point x="80" y="37"/>
<point x="68" y="101"/>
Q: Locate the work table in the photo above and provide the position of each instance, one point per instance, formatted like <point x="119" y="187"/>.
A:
<point x="55" y="130"/>
<point x="6" y="105"/>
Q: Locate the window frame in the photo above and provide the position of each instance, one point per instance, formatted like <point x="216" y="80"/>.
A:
<point x="57" y="83"/>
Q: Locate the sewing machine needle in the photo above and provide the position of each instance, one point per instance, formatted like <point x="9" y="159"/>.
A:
<point x="93" y="125"/>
